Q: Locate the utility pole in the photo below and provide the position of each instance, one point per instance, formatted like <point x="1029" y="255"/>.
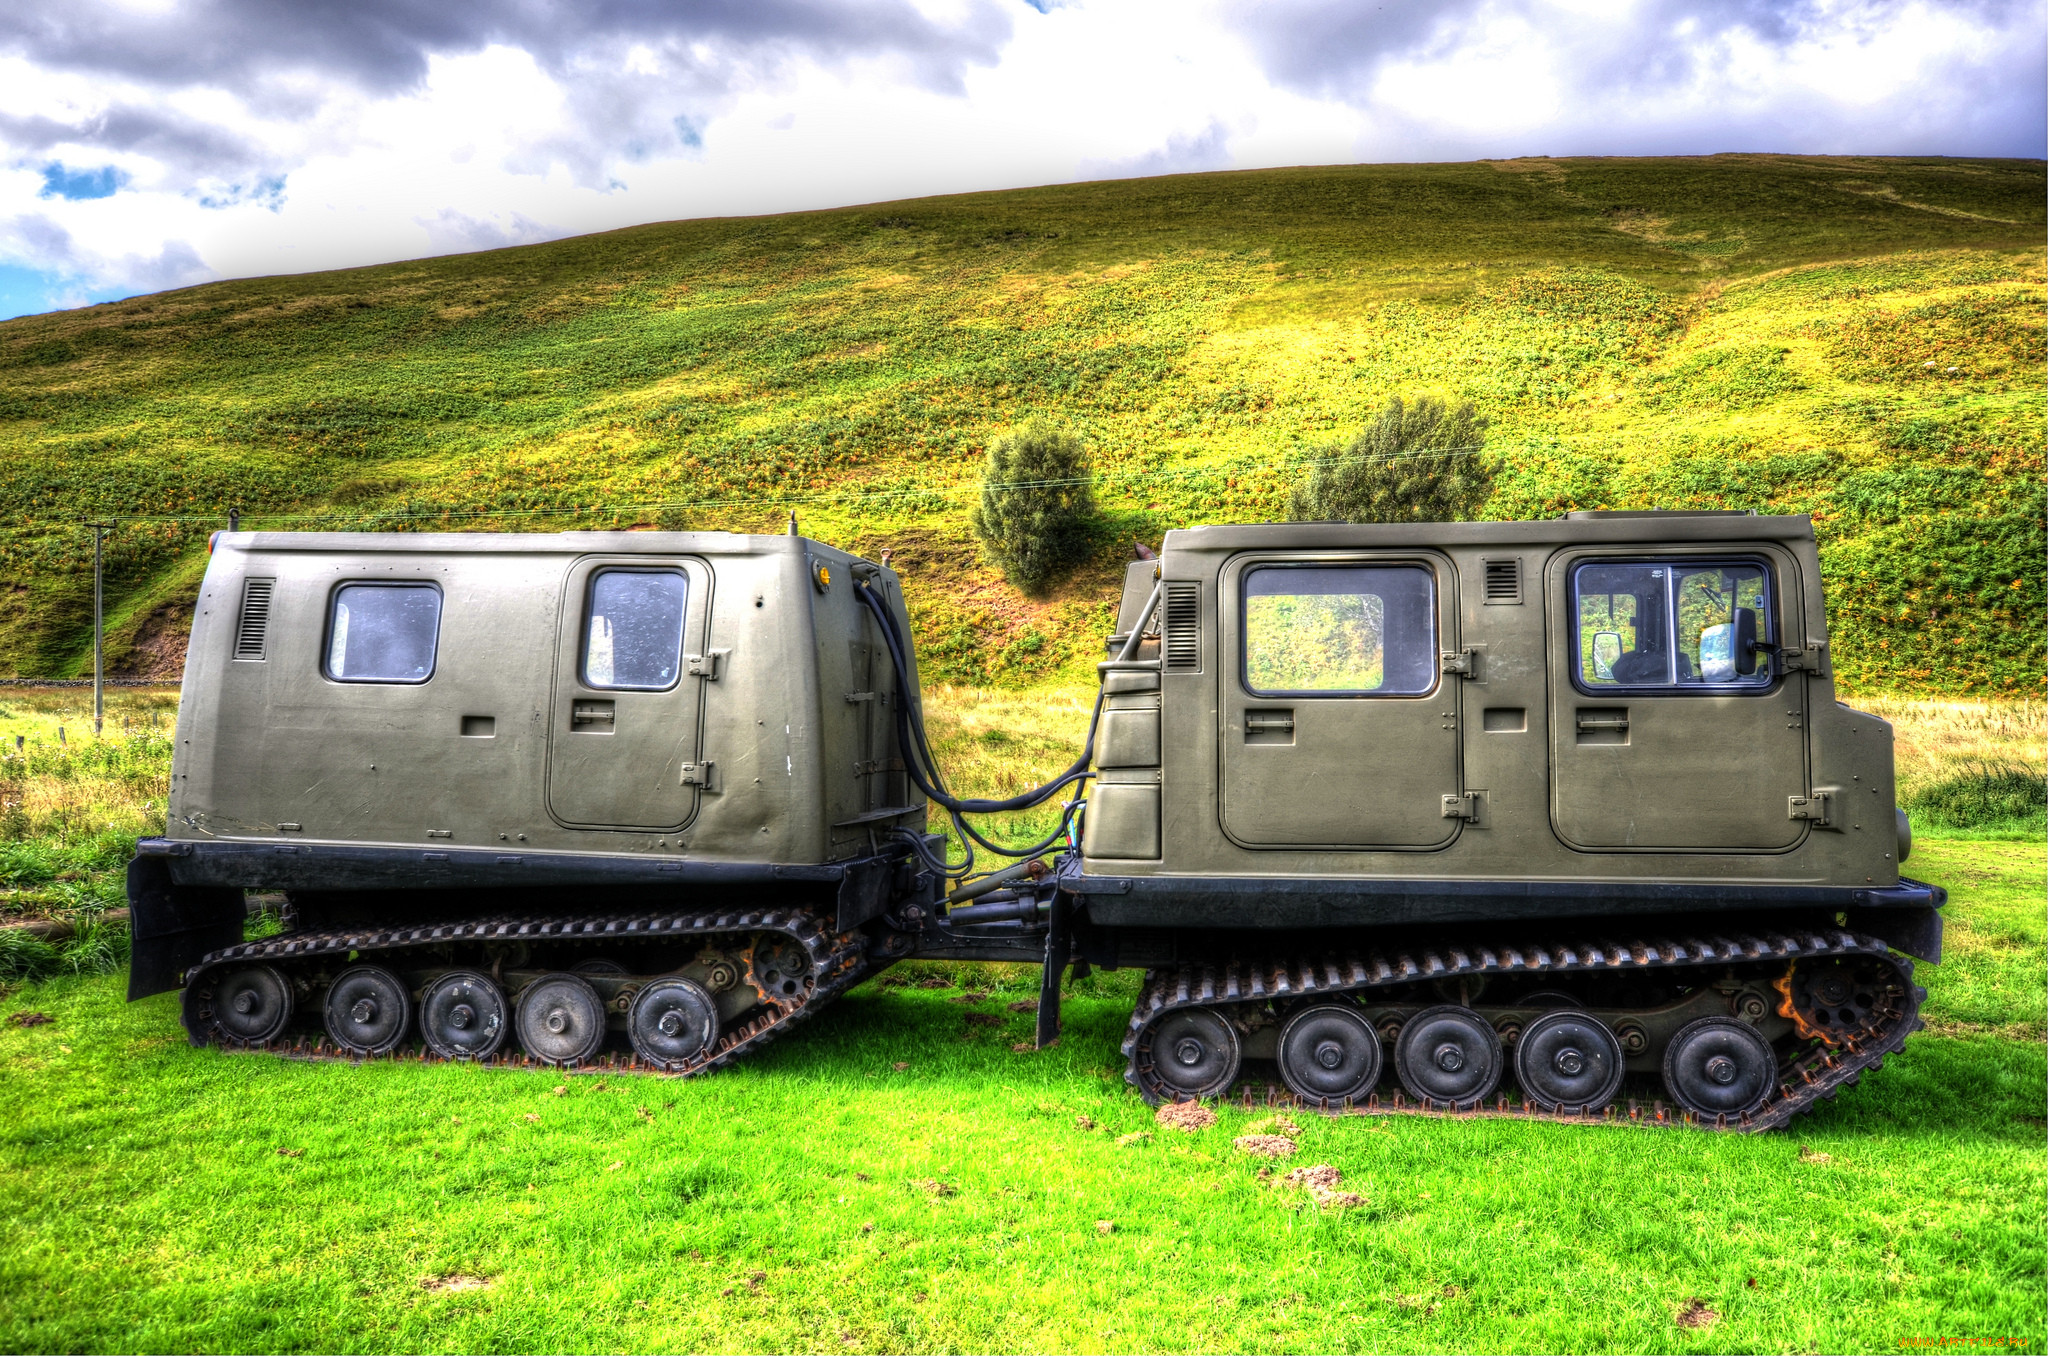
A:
<point x="99" y="630"/>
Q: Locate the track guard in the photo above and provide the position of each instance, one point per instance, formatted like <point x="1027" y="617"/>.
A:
<point x="171" y="926"/>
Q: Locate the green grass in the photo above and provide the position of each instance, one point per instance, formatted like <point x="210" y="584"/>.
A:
<point x="1995" y="940"/>
<point x="1729" y="331"/>
<point x="1997" y="796"/>
<point x="144" y="1203"/>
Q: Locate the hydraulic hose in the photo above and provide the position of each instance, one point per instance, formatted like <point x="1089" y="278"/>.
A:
<point x="923" y="767"/>
<point x="918" y="760"/>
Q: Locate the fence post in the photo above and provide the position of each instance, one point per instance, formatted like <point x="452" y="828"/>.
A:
<point x="99" y="631"/>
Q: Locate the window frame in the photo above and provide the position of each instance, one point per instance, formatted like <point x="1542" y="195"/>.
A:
<point x="327" y="631"/>
<point x="1763" y="685"/>
<point x="1244" y="636"/>
<point x="582" y="666"/>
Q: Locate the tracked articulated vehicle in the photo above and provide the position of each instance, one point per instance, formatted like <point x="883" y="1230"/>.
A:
<point x="1482" y="818"/>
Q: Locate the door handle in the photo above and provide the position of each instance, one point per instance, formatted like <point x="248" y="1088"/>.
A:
<point x="1615" y="721"/>
<point x="597" y="717"/>
<point x="1269" y="727"/>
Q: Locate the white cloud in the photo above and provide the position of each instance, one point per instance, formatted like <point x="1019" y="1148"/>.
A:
<point x="255" y="136"/>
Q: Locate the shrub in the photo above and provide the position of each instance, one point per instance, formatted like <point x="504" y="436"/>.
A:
<point x="1988" y="794"/>
<point x="1037" y="504"/>
<point x="1419" y="463"/>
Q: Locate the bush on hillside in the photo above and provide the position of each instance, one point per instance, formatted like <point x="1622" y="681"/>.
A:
<point x="1414" y="463"/>
<point x="1986" y="795"/>
<point x="1037" y="504"/>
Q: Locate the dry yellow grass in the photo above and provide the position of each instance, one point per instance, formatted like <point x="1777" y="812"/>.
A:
<point x="1936" y="739"/>
<point x="59" y="781"/>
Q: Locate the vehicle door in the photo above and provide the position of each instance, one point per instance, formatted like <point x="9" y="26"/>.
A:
<point x="623" y="748"/>
<point x="1670" y="730"/>
<point x="1338" y="727"/>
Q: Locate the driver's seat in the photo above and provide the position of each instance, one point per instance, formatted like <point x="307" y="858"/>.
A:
<point x="1638" y="666"/>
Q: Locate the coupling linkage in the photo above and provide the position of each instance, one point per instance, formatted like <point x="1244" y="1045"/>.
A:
<point x="1021" y="893"/>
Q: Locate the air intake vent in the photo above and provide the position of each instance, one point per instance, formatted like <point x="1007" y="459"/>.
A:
<point x="1183" y="634"/>
<point x="255" y="624"/>
<point x="1504" y="581"/>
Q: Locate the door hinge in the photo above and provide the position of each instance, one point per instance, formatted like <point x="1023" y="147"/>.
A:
<point x="1813" y="806"/>
<point x="1464" y="663"/>
<point x="703" y="775"/>
<point x="1813" y="659"/>
<point x="706" y="665"/>
<point x="1465" y="805"/>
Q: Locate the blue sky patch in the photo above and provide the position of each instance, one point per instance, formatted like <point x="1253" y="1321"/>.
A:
<point x="268" y="190"/>
<point x="60" y="181"/>
<point x="32" y="291"/>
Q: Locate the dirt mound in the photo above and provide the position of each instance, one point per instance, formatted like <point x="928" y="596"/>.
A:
<point x="1697" y="1316"/>
<point x="1322" y="1182"/>
<point x="1186" y="1116"/>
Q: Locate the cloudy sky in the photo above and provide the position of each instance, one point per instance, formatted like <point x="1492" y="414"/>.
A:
<point x="147" y="144"/>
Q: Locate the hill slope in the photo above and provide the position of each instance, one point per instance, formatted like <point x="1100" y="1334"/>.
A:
<point x="1860" y="339"/>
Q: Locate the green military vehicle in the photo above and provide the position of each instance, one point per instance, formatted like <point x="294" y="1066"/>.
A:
<point x="1394" y="817"/>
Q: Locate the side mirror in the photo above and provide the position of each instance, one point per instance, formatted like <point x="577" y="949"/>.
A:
<point x="1745" y="641"/>
<point x="1606" y="649"/>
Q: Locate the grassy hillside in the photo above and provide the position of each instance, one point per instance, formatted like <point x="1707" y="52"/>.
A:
<point x="1858" y="339"/>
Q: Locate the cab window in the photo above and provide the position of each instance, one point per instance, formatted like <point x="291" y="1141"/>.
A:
<point x="1365" y="630"/>
<point x="1678" y="625"/>
<point x="383" y="633"/>
<point x="634" y="640"/>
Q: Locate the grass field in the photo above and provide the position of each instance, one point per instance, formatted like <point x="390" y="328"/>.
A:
<point x="157" y="1197"/>
<point x="1859" y="339"/>
<point x="897" y="1178"/>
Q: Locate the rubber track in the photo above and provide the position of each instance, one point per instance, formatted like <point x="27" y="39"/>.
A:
<point x="837" y="963"/>
<point x="1804" y="1080"/>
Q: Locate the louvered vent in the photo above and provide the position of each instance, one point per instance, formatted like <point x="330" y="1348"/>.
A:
<point x="1504" y="581"/>
<point x="1183" y="633"/>
<point x="251" y="631"/>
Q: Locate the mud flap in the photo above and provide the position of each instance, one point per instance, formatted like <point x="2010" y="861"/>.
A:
<point x="171" y="926"/>
<point x="864" y="891"/>
<point x="1917" y="932"/>
<point x="1059" y="943"/>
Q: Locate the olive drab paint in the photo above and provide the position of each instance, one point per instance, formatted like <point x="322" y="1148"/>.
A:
<point x="1501" y="763"/>
<point x="759" y="743"/>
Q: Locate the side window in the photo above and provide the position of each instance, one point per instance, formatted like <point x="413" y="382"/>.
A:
<point x="383" y="633"/>
<point x="635" y="636"/>
<point x="1672" y="624"/>
<point x="1367" y="630"/>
